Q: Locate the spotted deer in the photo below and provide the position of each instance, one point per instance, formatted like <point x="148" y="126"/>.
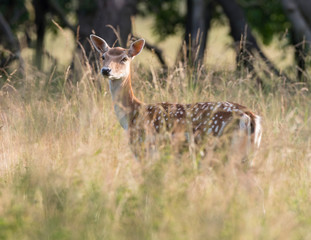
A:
<point x="184" y="124"/>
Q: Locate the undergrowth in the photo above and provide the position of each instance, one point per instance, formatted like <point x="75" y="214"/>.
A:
<point x="66" y="170"/>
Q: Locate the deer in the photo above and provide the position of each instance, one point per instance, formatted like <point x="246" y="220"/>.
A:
<point x="193" y="124"/>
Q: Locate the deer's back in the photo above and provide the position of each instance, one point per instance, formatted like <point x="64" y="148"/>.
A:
<point x="188" y="122"/>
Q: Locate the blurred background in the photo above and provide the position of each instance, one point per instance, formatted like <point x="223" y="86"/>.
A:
<point x="66" y="170"/>
<point x="192" y="31"/>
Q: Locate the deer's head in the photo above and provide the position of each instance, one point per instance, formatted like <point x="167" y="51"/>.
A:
<point x="116" y="60"/>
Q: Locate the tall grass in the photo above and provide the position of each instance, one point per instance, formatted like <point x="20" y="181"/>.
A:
<point x="66" y="171"/>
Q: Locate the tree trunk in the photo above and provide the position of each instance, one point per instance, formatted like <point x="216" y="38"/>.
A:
<point x="10" y="40"/>
<point x="242" y="36"/>
<point x="244" y="39"/>
<point x="40" y="12"/>
<point x="97" y="14"/>
<point x="197" y="26"/>
<point x="298" y="13"/>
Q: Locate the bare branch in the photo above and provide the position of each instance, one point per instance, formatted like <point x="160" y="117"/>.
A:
<point x="6" y="29"/>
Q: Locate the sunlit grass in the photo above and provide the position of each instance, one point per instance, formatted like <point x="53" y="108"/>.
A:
<point x="66" y="170"/>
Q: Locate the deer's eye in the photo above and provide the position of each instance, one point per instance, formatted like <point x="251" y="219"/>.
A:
<point x="124" y="59"/>
<point x="103" y="57"/>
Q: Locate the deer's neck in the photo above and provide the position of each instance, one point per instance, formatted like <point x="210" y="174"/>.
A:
<point x="125" y="103"/>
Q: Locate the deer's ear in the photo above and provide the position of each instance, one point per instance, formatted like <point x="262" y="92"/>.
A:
<point x="99" y="43"/>
<point x="136" y="47"/>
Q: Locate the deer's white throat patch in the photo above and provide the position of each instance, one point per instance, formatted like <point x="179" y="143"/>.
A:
<point x="115" y="87"/>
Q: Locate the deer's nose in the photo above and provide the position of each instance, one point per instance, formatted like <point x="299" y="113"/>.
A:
<point x="106" y="71"/>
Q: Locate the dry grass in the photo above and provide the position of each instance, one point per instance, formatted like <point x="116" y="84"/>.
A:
<point x="66" y="171"/>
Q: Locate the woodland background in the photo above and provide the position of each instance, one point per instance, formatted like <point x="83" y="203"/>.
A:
<point x="24" y="24"/>
<point x="66" y="171"/>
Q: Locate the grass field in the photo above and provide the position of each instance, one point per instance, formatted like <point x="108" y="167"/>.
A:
<point x="66" y="171"/>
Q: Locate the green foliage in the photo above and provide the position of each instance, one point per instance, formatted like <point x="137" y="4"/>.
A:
<point x="68" y="7"/>
<point x="266" y="17"/>
<point x="15" y="13"/>
<point x="168" y="16"/>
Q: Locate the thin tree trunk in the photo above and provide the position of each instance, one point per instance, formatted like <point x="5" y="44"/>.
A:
<point x="298" y="13"/>
<point x="197" y="26"/>
<point x="246" y="43"/>
<point x="98" y="14"/>
<point x="40" y="12"/>
<point x="12" y="42"/>
<point x="240" y="32"/>
<point x="300" y="23"/>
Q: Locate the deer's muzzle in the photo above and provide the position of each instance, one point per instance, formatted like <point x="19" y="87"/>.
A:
<point x="106" y="71"/>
